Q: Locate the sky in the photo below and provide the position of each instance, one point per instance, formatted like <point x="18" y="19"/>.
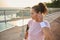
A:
<point x="20" y="3"/>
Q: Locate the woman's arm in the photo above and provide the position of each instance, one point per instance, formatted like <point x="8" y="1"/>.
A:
<point x="26" y="34"/>
<point x="48" y="34"/>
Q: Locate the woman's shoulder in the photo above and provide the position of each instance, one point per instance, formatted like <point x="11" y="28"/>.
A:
<point x="29" y="22"/>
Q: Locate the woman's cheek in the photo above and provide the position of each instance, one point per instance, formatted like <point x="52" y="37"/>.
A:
<point x="34" y="16"/>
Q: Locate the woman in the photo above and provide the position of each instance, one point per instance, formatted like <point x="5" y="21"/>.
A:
<point x="37" y="28"/>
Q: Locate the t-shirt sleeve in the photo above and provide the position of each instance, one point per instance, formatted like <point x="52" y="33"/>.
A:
<point x="29" y="22"/>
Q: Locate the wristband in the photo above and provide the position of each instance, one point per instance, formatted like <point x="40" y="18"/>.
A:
<point x="43" y="24"/>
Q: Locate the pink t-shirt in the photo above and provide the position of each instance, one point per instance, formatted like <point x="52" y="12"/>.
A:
<point x="35" y="30"/>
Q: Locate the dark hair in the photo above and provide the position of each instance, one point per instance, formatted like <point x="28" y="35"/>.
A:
<point x="40" y="8"/>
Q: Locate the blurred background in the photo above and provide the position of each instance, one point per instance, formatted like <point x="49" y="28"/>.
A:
<point x="15" y="14"/>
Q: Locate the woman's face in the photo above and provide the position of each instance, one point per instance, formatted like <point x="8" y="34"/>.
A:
<point x="35" y="15"/>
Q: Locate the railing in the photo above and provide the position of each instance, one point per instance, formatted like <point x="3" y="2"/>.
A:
<point x="51" y="10"/>
<point x="9" y="17"/>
